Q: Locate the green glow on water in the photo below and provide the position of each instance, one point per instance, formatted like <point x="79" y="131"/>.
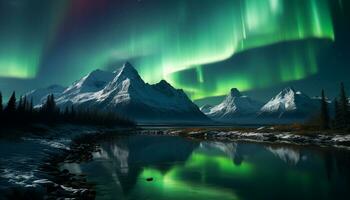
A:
<point x="191" y="180"/>
<point x="169" y="186"/>
<point x="214" y="170"/>
<point x="223" y="165"/>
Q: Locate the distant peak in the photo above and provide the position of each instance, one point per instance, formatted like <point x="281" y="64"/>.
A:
<point x="95" y="72"/>
<point x="128" y="69"/>
<point x="128" y="66"/>
<point x="163" y="85"/>
<point x="163" y="82"/>
<point x="235" y="92"/>
<point x="288" y="90"/>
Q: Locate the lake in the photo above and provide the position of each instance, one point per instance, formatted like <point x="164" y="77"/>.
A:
<point x="171" y="167"/>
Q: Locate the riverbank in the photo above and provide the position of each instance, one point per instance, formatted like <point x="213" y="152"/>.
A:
<point x="167" y="164"/>
<point x="30" y="157"/>
<point x="263" y="134"/>
<point x="31" y="165"/>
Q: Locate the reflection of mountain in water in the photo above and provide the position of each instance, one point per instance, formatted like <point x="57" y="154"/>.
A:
<point x="230" y="150"/>
<point x="286" y="154"/>
<point x="128" y="156"/>
<point x="227" y="149"/>
<point x="162" y="167"/>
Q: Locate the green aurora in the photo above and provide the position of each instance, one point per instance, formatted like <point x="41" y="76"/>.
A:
<point x="183" y="42"/>
<point x="25" y="35"/>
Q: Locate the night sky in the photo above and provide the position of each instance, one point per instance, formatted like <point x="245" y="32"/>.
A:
<point x="205" y="47"/>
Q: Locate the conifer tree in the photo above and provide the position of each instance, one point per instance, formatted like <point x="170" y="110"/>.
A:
<point x="20" y="105"/>
<point x="343" y="108"/>
<point x="11" y="105"/>
<point x="50" y="105"/>
<point x="324" y="112"/>
<point x="31" y="105"/>
<point x="25" y="104"/>
<point x="337" y="114"/>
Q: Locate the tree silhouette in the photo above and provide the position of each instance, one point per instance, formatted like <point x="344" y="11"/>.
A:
<point x="11" y="105"/>
<point x="24" y="114"/>
<point x="337" y="114"/>
<point x="20" y="107"/>
<point x="25" y="104"/>
<point x="31" y="108"/>
<point x="324" y="112"/>
<point x="343" y="108"/>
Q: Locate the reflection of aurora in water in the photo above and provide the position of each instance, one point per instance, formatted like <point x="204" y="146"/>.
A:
<point x="182" y="41"/>
<point x="192" y="180"/>
<point x="185" y="169"/>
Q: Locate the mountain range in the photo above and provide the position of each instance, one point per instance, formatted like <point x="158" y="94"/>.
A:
<point x="235" y="107"/>
<point x="124" y="92"/>
<point x="287" y="106"/>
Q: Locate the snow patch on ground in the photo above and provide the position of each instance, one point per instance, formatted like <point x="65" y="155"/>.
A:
<point x="286" y="137"/>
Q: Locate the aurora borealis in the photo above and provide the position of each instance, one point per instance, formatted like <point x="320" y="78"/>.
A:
<point x="205" y="47"/>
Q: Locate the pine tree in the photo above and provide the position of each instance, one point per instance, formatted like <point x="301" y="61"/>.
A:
<point x="20" y="105"/>
<point x="11" y="105"/>
<point x="337" y="114"/>
<point x="31" y="105"/>
<point x="324" y="112"/>
<point x="25" y="104"/>
<point x="343" y="108"/>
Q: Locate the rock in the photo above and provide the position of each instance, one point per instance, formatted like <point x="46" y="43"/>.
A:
<point x="149" y="179"/>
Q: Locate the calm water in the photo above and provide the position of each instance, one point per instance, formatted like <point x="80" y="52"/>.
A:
<point x="187" y="169"/>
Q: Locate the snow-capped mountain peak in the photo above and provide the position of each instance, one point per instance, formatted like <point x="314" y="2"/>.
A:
<point x="165" y="88"/>
<point x="287" y="100"/>
<point x="233" y="106"/>
<point x="290" y="103"/>
<point x="124" y="92"/>
<point x="127" y="70"/>
<point x="235" y="93"/>
<point x="94" y="81"/>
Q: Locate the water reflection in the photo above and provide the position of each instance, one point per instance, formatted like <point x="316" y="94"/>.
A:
<point x="159" y="167"/>
<point x="287" y="154"/>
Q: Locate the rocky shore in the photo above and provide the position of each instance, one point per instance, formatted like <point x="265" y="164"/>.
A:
<point x="61" y="184"/>
<point x="266" y="135"/>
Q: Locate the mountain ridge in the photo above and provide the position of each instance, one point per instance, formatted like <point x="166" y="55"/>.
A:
<point x="123" y="91"/>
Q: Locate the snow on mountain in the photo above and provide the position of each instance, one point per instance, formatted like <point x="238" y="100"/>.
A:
<point x="39" y="95"/>
<point x="206" y="108"/>
<point x="290" y="103"/>
<point x="125" y="92"/>
<point x="235" y="106"/>
<point x="83" y="90"/>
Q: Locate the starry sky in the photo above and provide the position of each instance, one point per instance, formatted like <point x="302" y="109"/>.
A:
<point x="205" y="47"/>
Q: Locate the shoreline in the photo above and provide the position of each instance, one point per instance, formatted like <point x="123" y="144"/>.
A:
<point x="60" y="183"/>
<point x="46" y="147"/>
<point x="265" y="135"/>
